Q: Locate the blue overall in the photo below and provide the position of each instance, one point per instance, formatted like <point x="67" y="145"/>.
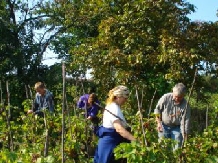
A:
<point x="108" y="140"/>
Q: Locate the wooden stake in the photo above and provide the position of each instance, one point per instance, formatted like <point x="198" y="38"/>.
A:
<point x="207" y="116"/>
<point x="141" y="118"/>
<point x="190" y="93"/>
<point x="63" y="111"/>
<point x="152" y="100"/>
<point x="26" y="89"/>
<point x="46" y="145"/>
<point x="10" y="137"/>
<point x="1" y="92"/>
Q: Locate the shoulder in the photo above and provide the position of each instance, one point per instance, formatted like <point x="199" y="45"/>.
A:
<point x="166" y="96"/>
<point x="184" y="102"/>
<point x="85" y="96"/>
<point x="37" y="95"/>
<point x="49" y="94"/>
<point x="112" y="106"/>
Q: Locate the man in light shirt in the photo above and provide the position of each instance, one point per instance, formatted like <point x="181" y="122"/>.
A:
<point x="173" y="115"/>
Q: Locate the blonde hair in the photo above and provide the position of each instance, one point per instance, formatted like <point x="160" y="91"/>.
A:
<point x="39" y="85"/>
<point x="119" y="91"/>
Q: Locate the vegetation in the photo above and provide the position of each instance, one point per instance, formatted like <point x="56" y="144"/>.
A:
<point x="147" y="45"/>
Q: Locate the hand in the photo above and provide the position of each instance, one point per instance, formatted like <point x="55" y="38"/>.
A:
<point x="29" y="111"/>
<point x="89" y="117"/>
<point x="159" y="127"/>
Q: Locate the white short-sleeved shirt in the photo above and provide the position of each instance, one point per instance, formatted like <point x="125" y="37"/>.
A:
<point x="108" y="118"/>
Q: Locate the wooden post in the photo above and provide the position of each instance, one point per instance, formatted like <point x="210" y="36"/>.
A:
<point x="26" y="89"/>
<point x="207" y="116"/>
<point x="63" y="111"/>
<point x="31" y="93"/>
<point x="141" y="117"/>
<point x="1" y="92"/>
<point x="152" y="100"/>
<point x="190" y="93"/>
<point x="10" y="137"/>
<point x="46" y="144"/>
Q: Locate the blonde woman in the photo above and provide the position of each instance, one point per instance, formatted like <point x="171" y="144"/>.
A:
<point x="113" y="130"/>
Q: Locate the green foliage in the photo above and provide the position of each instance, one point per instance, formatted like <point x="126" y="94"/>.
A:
<point x="146" y="45"/>
<point x="200" y="148"/>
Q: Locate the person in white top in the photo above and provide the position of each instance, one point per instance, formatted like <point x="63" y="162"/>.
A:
<point x="113" y="130"/>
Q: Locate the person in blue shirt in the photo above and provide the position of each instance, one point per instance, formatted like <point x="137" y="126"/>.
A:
<point x="89" y="102"/>
<point x="44" y="99"/>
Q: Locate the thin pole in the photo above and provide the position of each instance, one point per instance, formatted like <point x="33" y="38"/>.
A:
<point x="34" y="126"/>
<point x="63" y="111"/>
<point x="190" y="93"/>
<point x="86" y="123"/>
<point x="11" y="144"/>
<point x="1" y="92"/>
<point x="26" y="89"/>
<point x="207" y="116"/>
<point x="141" y="118"/>
<point x="31" y="93"/>
<point x="152" y="100"/>
<point x="46" y="145"/>
<point x="69" y="119"/>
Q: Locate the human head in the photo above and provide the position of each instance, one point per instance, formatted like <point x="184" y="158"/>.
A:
<point x="40" y="88"/>
<point x="118" y="94"/>
<point x="179" y="91"/>
<point x="92" y="98"/>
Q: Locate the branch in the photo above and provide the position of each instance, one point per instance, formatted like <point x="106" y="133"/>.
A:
<point x="12" y="15"/>
<point x="152" y="100"/>
<point x="33" y="18"/>
<point x="61" y="30"/>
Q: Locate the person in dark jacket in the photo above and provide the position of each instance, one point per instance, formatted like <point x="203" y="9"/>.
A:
<point x="43" y="100"/>
<point x="89" y="103"/>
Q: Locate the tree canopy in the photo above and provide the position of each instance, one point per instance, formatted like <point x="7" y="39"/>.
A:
<point x="149" y="43"/>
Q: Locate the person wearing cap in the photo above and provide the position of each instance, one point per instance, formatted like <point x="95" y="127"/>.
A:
<point x="114" y="128"/>
<point x="173" y="115"/>
<point x="44" y="100"/>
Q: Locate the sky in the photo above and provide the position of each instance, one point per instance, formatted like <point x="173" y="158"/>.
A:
<point x="205" y="11"/>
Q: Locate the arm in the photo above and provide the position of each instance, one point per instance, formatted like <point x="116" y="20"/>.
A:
<point x="51" y="103"/>
<point x="159" y="123"/>
<point x="158" y="113"/>
<point x="81" y="102"/>
<point x="34" y="107"/>
<point x="122" y="131"/>
<point x="93" y="112"/>
<point x="185" y="129"/>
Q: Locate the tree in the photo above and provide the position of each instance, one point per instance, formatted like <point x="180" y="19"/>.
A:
<point x="21" y="53"/>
